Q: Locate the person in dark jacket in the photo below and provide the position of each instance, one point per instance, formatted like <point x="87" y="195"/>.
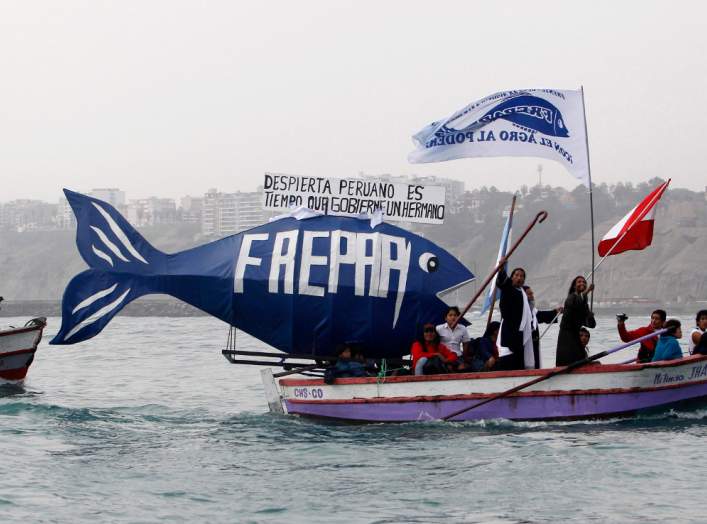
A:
<point x="516" y="330"/>
<point x="346" y="365"/>
<point x="576" y="314"/>
<point x="482" y="353"/>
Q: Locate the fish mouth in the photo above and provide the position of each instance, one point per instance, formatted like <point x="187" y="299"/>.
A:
<point x="458" y="293"/>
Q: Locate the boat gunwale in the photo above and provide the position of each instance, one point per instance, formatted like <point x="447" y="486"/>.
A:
<point x="19" y="330"/>
<point x="589" y="369"/>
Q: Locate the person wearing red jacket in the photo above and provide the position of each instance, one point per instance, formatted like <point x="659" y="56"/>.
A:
<point x="647" y="349"/>
<point x="429" y="355"/>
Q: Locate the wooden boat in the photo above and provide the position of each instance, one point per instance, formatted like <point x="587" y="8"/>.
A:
<point x="17" y="348"/>
<point x="587" y="392"/>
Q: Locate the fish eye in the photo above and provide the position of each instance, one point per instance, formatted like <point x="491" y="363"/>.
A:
<point x="428" y="262"/>
<point x="560" y="123"/>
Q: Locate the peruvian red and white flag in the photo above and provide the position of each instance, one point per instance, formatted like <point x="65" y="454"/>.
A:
<point x="635" y="230"/>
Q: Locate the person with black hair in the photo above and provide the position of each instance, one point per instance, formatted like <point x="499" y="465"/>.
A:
<point x="698" y="336"/>
<point x="456" y="339"/>
<point x="516" y="333"/>
<point x="429" y="355"/>
<point x="668" y="347"/>
<point x="576" y="315"/>
<point x="482" y="353"/>
<point x="359" y="355"/>
<point x="647" y="348"/>
<point x="346" y="364"/>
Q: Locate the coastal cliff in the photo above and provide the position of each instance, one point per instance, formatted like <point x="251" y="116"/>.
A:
<point x="36" y="266"/>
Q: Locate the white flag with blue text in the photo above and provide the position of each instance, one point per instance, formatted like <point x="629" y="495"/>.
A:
<point x="529" y="122"/>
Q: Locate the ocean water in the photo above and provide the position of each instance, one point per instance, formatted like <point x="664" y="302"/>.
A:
<point x="149" y="423"/>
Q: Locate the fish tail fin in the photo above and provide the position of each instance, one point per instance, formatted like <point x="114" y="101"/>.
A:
<point x="107" y="241"/>
<point x="121" y="263"/>
<point x="92" y="299"/>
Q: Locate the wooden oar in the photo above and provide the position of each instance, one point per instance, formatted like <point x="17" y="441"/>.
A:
<point x="540" y="217"/>
<point x="556" y="372"/>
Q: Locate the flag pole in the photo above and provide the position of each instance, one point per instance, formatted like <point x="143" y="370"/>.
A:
<point x="591" y="194"/>
<point x="635" y="221"/>
<point x="539" y="218"/>
<point x="495" y="286"/>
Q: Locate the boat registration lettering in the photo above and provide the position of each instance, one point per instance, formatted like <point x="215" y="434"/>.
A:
<point x="307" y="393"/>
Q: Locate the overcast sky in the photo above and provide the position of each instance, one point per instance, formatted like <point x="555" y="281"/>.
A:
<point x="171" y="98"/>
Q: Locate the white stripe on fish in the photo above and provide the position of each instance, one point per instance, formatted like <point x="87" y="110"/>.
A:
<point x="97" y="315"/>
<point x="115" y="228"/>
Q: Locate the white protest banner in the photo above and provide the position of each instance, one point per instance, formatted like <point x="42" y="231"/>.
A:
<point x="543" y="123"/>
<point x="352" y="196"/>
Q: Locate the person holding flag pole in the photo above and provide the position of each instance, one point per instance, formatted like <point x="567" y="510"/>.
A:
<point x="633" y="232"/>
<point x="493" y="294"/>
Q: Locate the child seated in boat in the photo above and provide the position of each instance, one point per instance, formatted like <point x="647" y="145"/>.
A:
<point x="346" y="365"/>
<point x="429" y="355"/>
<point x="358" y="355"/>
<point x="668" y="347"/>
<point x="584" y="336"/>
<point x="482" y="353"/>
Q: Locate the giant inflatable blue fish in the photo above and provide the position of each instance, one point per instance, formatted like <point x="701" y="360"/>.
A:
<point x="301" y="286"/>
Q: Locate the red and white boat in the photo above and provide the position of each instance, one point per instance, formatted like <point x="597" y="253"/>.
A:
<point x="17" y="348"/>
<point x="587" y="392"/>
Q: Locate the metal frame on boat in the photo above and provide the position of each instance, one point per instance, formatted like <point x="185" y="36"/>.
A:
<point x="586" y="392"/>
<point x="17" y="348"/>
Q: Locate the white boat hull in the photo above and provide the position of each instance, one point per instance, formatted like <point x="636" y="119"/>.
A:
<point x="17" y="349"/>
<point x="587" y="392"/>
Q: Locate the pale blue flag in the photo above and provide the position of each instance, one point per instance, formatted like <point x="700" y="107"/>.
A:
<point x="502" y="248"/>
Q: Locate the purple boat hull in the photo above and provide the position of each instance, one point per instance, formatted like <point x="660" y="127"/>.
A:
<point x="513" y="408"/>
<point x="592" y="392"/>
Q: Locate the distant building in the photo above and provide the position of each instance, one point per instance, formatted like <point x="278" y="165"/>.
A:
<point x="28" y="215"/>
<point x="229" y="213"/>
<point x="152" y="211"/>
<point x="112" y="195"/>
<point x="190" y="209"/>
<point x="470" y="202"/>
<point x="65" y="218"/>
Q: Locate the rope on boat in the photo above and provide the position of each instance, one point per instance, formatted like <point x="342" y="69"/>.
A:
<point x="380" y="378"/>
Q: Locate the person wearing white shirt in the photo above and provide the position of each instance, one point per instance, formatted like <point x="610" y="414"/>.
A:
<point x="536" y="318"/>
<point x="700" y="329"/>
<point x="456" y="339"/>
